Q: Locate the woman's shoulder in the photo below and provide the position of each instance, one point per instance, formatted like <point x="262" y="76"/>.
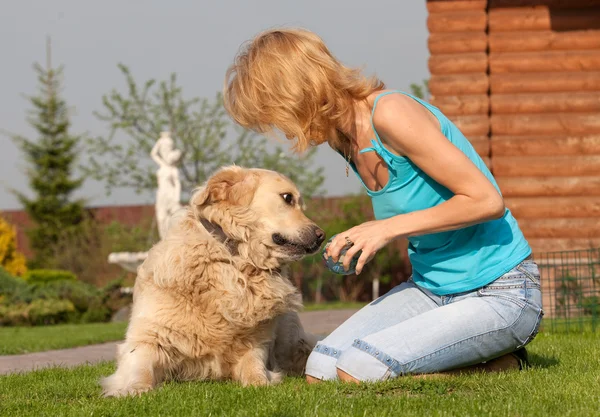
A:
<point x="393" y="108"/>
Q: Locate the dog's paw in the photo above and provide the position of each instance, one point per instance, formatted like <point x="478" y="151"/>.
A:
<point x="259" y="380"/>
<point x="130" y="391"/>
<point x="274" y="377"/>
<point x="112" y="387"/>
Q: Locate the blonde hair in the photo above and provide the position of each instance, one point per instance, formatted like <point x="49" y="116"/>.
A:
<point x="287" y="79"/>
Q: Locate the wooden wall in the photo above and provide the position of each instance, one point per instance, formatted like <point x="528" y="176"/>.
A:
<point x="533" y="68"/>
<point x="458" y="64"/>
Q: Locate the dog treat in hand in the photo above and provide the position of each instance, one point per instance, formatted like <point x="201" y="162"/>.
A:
<point x="338" y="267"/>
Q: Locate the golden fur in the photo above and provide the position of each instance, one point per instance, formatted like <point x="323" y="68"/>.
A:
<point x="289" y="80"/>
<point x="211" y="300"/>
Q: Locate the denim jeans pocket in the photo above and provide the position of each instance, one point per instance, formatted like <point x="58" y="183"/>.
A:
<point x="531" y="270"/>
<point x="513" y="286"/>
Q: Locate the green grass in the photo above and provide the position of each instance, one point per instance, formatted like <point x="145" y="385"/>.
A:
<point x="333" y="305"/>
<point x="564" y="381"/>
<point x="17" y="340"/>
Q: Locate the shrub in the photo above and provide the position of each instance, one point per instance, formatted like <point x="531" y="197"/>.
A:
<point x="38" y="312"/>
<point x="62" y="301"/>
<point x="9" y="284"/>
<point x="591" y="305"/>
<point x="44" y="276"/>
<point x="12" y="260"/>
<point x="79" y="293"/>
<point x="96" y="313"/>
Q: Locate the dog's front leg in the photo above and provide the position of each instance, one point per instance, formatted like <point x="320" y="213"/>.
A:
<point x="292" y="345"/>
<point x="252" y="368"/>
<point x="137" y="371"/>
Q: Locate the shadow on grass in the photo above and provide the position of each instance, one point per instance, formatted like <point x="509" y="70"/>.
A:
<point x="540" y="361"/>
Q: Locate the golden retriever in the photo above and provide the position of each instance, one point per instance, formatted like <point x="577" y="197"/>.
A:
<point x="211" y="301"/>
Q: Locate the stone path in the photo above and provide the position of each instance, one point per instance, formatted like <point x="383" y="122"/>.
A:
<point x="316" y="322"/>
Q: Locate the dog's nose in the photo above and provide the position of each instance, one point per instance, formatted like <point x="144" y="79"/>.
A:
<point x="320" y="234"/>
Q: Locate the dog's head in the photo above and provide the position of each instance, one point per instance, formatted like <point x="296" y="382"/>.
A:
<point x="259" y="207"/>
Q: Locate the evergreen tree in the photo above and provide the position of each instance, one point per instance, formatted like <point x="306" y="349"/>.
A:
<point x="51" y="159"/>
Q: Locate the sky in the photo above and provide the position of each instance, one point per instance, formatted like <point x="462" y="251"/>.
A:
<point x="197" y="39"/>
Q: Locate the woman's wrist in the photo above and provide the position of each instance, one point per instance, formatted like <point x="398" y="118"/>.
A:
<point x="392" y="229"/>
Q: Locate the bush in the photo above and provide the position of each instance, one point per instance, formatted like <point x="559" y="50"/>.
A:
<point x="38" y="312"/>
<point x="44" y="276"/>
<point x="79" y="293"/>
<point x="96" y="313"/>
<point x="591" y="305"/>
<point x="11" y="259"/>
<point x="9" y="284"/>
<point x="63" y="301"/>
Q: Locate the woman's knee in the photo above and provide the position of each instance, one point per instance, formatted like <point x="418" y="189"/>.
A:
<point x="358" y="364"/>
<point x="320" y="366"/>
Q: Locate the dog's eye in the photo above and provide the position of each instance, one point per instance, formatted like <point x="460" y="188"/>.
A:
<point x="288" y="198"/>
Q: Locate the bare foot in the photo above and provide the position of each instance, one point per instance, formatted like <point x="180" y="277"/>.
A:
<point x="312" y="380"/>
<point x="347" y="377"/>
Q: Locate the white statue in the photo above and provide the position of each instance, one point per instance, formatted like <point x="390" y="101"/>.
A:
<point x="168" y="194"/>
<point x="168" y="197"/>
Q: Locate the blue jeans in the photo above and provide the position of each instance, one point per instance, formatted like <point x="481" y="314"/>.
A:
<point x="410" y="330"/>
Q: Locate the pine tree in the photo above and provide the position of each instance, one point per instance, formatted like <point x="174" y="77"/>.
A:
<point x="51" y="157"/>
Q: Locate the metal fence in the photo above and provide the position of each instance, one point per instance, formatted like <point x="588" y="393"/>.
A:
<point x="571" y="290"/>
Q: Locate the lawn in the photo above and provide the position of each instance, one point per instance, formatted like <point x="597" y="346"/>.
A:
<point x="334" y="305"/>
<point x="564" y="381"/>
<point x="17" y="340"/>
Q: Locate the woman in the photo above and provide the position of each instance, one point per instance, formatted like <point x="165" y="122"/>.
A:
<point x="474" y="295"/>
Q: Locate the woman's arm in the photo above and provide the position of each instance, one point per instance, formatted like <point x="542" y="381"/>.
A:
<point x="407" y="128"/>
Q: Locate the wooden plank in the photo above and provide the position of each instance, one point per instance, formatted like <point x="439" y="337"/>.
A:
<point x="451" y="43"/>
<point x="553" y="61"/>
<point x="544" y="83"/>
<point x="545" y="145"/>
<point x="545" y="103"/>
<point x="544" y="166"/>
<point x="557" y="4"/>
<point x="455" y="6"/>
<point x="542" y="41"/>
<point x="474" y="125"/>
<point x="462" y="105"/>
<point x="464" y="84"/>
<point x="561" y="228"/>
<point x="548" y="186"/>
<point x="481" y="145"/>
<point x="553" y="207"/>
<point x="550" y="124"/>
<point x="556" y="245"/>
<point x="542" y="19"/>
<point x="458" y="63"/>
<point x="463" y="21"/>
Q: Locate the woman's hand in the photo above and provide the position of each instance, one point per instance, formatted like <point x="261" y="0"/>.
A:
<point x="368" y="237"/>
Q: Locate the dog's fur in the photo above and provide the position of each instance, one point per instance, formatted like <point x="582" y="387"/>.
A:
<point x="211" y="300"/>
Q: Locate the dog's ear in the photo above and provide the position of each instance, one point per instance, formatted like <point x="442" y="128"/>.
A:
<point x="234" y="185"/>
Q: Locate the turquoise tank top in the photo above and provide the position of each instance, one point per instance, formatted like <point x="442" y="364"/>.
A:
<point x="454" y="261"/>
